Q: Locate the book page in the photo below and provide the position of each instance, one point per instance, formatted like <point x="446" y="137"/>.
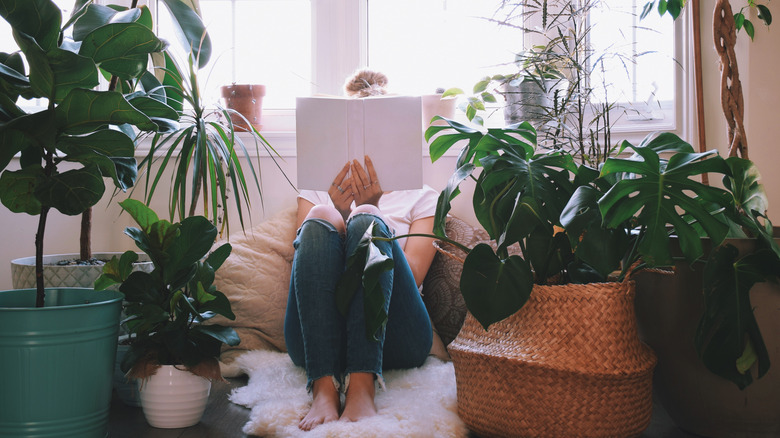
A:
<point x="393" y="139"/>
<point x="321" y="137"/>
<point x="333" y="130"/>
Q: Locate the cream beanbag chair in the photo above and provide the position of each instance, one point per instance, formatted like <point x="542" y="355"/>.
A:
<point x="256" y="279"/>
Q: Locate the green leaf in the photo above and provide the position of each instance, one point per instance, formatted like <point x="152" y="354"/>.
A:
<point x="191" y="31"/>
<point x="196" y="237"/>
<point x="220" y="305"/>
<point x="728" y="338"/>
<point x="143" y="215"/>
<point x="739" y="20"/>
<point x="656" y="194"/>
<point x="17" y="190"/>
<point x="764" y="14"/>
<point x="39" y="19"/>
<point x="121" y="48"/>
<point x="112" y="151"/>
<point x="219" y="255"/>
<point x="452" y="92"/>
<point x="225" y="335"/>
<point x="375" y="304"/>
<point x="84" y="111"/>
<point x="749" y="29"/>
<point x="73" y="191"/>
<point x="116" y="270"/>
<point x="494" y="289"/>
<point x="96" y="16"/>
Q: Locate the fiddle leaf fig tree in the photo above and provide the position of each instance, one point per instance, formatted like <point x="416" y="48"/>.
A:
<point x="90" y="130"/>
<point x="166" y="308"/>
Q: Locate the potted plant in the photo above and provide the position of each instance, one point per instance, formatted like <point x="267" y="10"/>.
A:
<point x="247" y="102"/>
<point x="205" y="151"/>
<point x="173" y="354"/>
<point x="82" y="268"/>
<point x="514" y="299"/>
<point x="48" y="327"/>
<point x="552" y="84"/>
<point x="713" y="323"/>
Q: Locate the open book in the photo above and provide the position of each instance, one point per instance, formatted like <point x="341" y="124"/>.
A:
<point x="333" y="130"/>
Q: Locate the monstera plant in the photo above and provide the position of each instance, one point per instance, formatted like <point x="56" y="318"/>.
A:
<point x="91" y="129"/>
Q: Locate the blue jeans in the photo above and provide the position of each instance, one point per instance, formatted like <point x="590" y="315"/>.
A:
<point x="326" y="343"/>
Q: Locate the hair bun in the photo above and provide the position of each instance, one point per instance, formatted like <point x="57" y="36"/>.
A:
<point x="366" y="83"/>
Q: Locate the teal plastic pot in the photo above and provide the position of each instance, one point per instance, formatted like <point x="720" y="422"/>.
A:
<point x="57" y="362"/>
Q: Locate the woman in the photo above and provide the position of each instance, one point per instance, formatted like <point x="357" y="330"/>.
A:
<point x="335" y="350"/>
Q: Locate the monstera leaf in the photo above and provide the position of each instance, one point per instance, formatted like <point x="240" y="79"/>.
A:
<point x="728" y="338"/>
<point x="655" y="192"/>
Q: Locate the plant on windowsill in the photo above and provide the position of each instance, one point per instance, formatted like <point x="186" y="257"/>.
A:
<point x="205" y="153"/>
<point x="167" y="308"/>
<point x="553" y="86"/>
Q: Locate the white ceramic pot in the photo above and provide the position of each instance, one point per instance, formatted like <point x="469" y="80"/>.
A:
<point x="173" y="398"/>
<point x="435" y="105"/>
<point x="23" y="270"/>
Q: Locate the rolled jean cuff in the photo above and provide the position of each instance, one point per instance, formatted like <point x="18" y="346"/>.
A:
<point x="336" y="382"/>
<point x="378" y="379"/>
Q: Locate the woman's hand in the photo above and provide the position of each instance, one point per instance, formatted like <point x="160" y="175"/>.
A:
<point x="365" y="184"/>
<point x="341" y="192"/>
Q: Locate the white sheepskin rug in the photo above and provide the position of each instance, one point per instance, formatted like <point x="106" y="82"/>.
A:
<point x="419" y="402"/>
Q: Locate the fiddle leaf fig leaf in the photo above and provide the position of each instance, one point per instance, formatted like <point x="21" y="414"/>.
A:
<point x="96" y="16"/>
<point x="112" y="151"/>
<point x="121" y="49"/>
<point x="17" y="190"/>
<point x="492" y="288"/>
<point x="40" y="19"/>
<point x="73" y="191"/>
<point x="83" y="111"/>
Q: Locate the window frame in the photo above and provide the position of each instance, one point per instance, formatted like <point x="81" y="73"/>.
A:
<point x="340" y="46"/>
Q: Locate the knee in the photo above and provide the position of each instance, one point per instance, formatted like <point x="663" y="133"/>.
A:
<point x="329" y="214"/>
<point x="366" y="209"/>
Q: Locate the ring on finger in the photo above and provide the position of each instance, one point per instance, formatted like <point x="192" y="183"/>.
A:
<point x="339" y="189"/>
<point x="366" y="187"/>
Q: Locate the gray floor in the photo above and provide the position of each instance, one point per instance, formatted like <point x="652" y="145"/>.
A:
<point x="224" y="419"/>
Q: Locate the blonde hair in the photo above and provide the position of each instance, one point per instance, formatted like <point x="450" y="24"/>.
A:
<point x="366" y="83"/>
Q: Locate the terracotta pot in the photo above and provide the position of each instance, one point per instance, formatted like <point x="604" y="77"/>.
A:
<point x="247" y="100"/>
<point x="668" y="309"/>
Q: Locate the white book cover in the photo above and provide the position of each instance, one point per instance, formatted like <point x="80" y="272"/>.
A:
<point x="330" y="131"/>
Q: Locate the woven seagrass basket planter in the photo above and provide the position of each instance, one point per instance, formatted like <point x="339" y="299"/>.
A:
<point x="568" y="364"/>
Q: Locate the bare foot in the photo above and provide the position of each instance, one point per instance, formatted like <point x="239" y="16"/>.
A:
<point x="325" y="404"/>
<point x="360" y="397"/>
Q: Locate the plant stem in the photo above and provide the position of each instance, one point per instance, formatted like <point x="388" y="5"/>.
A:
<point x="40" y="295"/>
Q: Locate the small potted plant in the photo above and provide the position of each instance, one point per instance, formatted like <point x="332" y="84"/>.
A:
<point x="167" y="310"/>
<point x="205" y="152"/>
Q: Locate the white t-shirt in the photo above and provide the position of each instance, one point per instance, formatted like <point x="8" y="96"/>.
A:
<point x="399" y="208"/>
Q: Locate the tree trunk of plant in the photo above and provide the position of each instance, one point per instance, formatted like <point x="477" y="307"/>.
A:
<point x="85" y="239"/>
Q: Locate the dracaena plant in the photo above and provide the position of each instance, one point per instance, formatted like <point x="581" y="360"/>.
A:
<point x="166" y="308"/>
<point x="204" y="152"/>
<point x="93" y="130"/>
